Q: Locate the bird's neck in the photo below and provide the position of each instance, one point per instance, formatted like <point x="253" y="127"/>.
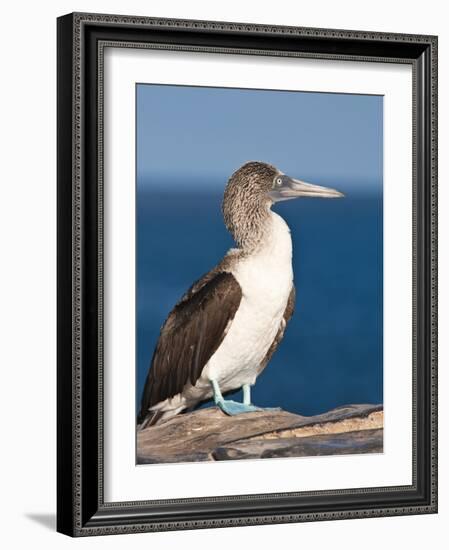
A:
<point x="263" y="232"/>
<point x="276" y="242"/>
<point x="247" y="221"/>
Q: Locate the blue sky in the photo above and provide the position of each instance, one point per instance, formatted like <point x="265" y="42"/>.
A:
<point x="200" y="135"/>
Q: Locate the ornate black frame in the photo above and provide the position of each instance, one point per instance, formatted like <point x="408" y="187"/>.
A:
<point x="81" y="509"/>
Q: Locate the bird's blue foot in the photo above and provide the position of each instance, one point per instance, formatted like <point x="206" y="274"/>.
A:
<point x="233" y="408"/>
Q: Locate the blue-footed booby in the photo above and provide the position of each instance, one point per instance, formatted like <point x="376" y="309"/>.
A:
<point x="224" y="330"/>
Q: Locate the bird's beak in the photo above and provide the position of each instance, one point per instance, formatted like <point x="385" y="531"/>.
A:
<point x="293" y="189"/>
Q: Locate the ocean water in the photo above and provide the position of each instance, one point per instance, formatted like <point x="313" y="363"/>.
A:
<point x="331" y="354"/>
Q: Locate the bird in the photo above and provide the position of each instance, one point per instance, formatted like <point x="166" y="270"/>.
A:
<point x="224" y="330"/>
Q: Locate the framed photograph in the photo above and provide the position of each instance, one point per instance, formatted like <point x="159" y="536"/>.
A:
<point x="247" y="281"/>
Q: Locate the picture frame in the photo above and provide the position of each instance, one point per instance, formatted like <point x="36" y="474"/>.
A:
<point x="81" y="506"/>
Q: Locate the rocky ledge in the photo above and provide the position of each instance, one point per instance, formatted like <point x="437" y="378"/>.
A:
<point x="208" y="434"/>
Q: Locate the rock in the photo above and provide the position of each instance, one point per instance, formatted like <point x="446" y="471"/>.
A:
<point x="208" y="434"/>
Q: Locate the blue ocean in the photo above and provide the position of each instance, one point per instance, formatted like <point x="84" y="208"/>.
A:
<point x="332" y="351"/>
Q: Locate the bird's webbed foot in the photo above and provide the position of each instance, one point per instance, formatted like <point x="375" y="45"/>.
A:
<point x="247" y="399"/>
<point x="233" y="408"/>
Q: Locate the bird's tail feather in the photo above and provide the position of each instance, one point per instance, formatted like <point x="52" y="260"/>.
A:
<point x="150" y="418"/>
<point x="153" y="417"/>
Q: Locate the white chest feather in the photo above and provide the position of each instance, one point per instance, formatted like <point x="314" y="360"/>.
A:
<point x="265" y="278"/>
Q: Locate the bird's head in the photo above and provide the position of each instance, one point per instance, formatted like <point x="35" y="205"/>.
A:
<point x="264" y="182"/>
<point x="255" y="187"/>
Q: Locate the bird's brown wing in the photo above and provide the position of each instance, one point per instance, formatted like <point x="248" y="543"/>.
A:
<point x="190" y="336"/>
<point x="280" y="334"/>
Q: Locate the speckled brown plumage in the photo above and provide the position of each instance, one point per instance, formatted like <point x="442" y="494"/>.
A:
<point x="246" y="206"/>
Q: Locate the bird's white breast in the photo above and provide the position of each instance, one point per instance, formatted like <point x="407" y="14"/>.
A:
<point x="265" y="278"/>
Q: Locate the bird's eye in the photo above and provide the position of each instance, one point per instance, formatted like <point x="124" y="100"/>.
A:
<point x="278" y="181"/>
